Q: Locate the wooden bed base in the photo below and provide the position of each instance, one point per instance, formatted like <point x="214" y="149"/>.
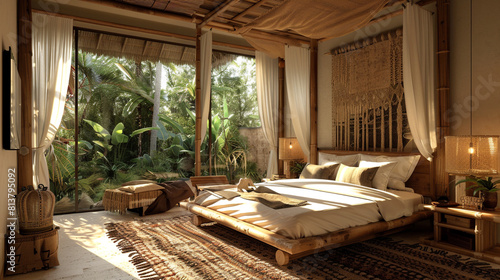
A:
<point x="289" y="249"/>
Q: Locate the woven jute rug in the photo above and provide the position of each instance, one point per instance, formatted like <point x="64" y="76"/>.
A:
<point x="176" y="249"/>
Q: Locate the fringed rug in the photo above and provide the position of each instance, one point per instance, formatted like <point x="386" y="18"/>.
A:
<point x="176" y="249"/>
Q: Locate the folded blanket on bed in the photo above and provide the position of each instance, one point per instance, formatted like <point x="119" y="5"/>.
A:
<point x="173" y="192"/>
<point x="265" y="196"/>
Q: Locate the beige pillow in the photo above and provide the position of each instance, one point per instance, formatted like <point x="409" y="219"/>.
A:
<point x="404" y="167"/>
<point x="383" y="173"/>
<point x="141" y="188"/>
<point x="313" y="171"/>
<point x="356" y="175"/>
<point x="327" y="159"/>
<point x="396" y="184"/>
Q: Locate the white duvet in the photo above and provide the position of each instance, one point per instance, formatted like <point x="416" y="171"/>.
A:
<point x="331" y="206"/>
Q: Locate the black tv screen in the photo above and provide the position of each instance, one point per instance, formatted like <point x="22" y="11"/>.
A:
<point x="11" y="103"/>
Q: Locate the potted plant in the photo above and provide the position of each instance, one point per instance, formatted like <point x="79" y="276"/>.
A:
<point x="487" y="187"/>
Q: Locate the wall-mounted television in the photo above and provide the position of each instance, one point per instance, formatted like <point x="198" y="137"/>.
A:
<point x="11" y="103"/>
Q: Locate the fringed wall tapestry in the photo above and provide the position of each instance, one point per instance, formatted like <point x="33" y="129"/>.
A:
<point x="368" y="109"/>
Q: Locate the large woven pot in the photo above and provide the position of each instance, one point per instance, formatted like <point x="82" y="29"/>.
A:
<point x="35" y="210"/>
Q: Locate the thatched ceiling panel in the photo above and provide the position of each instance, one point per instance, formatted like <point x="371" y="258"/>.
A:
<point x="143" y="50"/>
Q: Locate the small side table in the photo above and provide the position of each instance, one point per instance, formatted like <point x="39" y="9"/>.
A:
<point x="468" y="232"/>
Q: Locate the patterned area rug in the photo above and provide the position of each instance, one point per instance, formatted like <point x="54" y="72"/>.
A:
<point x="176" y="249"/>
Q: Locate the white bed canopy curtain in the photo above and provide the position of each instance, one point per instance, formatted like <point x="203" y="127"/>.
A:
<point x="206" y="79"/>
<point x="52" y="46"/>
<point x="268" y="101"/>
<point x="418" y="77"/>
<point x="297" y="70"/>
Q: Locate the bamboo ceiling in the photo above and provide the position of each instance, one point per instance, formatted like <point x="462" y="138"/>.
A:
<point x="139" y="49"/>
<point x="235" y="15"/>
<point x="268" y="25"/>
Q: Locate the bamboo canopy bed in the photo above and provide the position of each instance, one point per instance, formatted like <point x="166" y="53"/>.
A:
<point x="264" y="24"/>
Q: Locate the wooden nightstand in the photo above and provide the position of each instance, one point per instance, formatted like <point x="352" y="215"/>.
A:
<point x="468" y="232"/>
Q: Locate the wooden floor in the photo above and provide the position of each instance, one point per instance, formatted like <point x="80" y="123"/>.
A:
<point x="85" y="252"/>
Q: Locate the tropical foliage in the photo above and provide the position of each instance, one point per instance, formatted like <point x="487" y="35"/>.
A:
<point x="481" y="184"/>
<point x="115" y="103"/>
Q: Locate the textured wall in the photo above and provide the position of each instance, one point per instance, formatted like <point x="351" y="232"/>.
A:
<point x="258" y="146"/>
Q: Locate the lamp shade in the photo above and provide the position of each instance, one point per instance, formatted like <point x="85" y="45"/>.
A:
<point x="472" y="155"/>
<point x="290" y="149"/>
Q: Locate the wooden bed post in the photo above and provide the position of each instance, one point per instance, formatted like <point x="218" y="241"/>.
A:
<point x="197" y="138"/>
<point x="441" y="178"/>
<point x="313" y="156"/>
<point x="25" y="154"/>
<point x="281" y="109"/>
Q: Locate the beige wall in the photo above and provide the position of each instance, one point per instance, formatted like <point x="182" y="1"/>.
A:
<point x="7" y="158"/>
<point x="485" y="71"/>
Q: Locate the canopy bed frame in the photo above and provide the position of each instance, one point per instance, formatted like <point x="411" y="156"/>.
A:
<point x="289" y="249"/>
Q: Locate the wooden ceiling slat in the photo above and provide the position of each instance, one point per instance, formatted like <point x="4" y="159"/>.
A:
<point x="99" y="41"/>
<point x="250" y="9"/>
<point x="217" y="11"/>
<point x="124" y="44"/>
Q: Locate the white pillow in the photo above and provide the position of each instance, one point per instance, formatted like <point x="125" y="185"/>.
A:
<point x="404" y="167"/>
<point x="396" y="184"/>
<point x="382" y="176"/>
<point x="329" y="159"/>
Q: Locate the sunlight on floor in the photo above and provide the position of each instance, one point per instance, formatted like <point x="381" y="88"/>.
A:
<point x="85" y="252"/>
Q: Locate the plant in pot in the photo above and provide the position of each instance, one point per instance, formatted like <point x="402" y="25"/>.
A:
<point x="487" y="187"/>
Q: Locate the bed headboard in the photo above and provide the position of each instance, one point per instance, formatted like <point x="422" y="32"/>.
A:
<point x="421" y="179"/>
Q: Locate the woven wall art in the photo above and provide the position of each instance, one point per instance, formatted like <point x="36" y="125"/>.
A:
<point x="368" y="110"/>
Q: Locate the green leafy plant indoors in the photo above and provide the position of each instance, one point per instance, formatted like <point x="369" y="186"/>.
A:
<point x="298" y="166"/>
<point x="479" y="184"/>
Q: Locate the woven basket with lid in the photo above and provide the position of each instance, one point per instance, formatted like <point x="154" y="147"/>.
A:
<point x="35" y="210"/>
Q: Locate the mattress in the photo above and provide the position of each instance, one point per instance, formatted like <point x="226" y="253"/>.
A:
<point x="331" y="206"/>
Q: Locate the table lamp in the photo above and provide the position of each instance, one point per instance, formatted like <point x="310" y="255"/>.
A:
<point x="289" y="151"/>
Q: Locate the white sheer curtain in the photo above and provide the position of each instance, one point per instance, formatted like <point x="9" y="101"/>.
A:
<point x="206" y="79"/>
<point x="418" y="77"/>
<point x="52" y="46"/>
<point x="268" y="100"/>
<point x="297" y="70"/>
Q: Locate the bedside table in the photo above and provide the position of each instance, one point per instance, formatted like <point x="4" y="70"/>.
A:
<point x="468" y="232"/>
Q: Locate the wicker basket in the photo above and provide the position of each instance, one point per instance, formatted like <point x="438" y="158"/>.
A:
<point x="35" y="210"/>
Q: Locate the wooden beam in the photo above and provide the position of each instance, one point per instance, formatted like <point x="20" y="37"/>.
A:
<point x="197" y="138"/>
<point x="281" y="109"/>
<point x="313" y="156"/>
<point x="249" y="9"/>
<point x="25" y="66"/>
<point x="441" y="178"/>
<point x="142" y="30"/>
<point x="138" y="9"/>
<point x="217" y="11"/>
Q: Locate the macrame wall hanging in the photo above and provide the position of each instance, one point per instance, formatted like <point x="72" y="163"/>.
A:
<point x="368" y="109"/>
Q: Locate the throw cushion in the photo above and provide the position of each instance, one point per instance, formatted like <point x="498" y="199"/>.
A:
<point x="313" y="171"/>
<point x="356" y="175"/>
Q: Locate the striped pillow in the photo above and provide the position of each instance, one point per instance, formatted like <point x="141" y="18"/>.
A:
<point x="356" y="175"/>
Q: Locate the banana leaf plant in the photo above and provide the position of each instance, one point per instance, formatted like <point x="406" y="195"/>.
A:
<point x="114" y="142"/>
<point x="479" y="184"/>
